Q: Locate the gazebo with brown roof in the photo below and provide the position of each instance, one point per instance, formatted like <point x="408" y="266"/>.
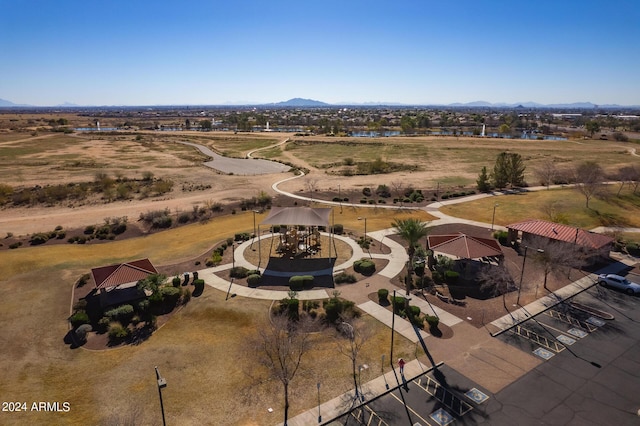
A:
<point x="464" y="246"/>
<point x="122" y="277"/>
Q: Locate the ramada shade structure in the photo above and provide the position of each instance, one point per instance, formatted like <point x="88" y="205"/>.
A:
<point x="464" y="246"/>
<point x="306" y="216"/>
<point x="107" y="277"/>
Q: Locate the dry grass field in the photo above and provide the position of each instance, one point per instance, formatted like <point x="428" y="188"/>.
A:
<point x="213" y="376"/>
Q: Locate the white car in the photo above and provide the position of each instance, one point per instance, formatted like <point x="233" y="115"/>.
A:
<point x="621" y="283"/>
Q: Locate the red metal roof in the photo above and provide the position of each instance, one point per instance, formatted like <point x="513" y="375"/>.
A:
<point x="122" y="273"/>
<point x="560" y="232"/>
<point x="464" y="246"/>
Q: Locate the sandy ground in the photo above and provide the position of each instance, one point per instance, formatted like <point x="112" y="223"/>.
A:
<point x="224" y="189"/>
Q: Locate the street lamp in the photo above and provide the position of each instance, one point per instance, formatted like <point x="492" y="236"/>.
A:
<point x="524" y="259"/>
<point x="494" y="215"/>
<point x="365" y="234"/>
<point x="360" y="368"/>
<point x="254" y="227"/>
<point x="386" y="385"/>
<point x="340" y="198"/>
<point x="319" y="416"/>
<point x="162" y="383"/>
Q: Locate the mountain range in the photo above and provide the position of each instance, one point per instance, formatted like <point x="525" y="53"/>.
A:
<point x="311" y="103"/>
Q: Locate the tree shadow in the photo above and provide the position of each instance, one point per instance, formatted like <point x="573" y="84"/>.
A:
<point x="72" y="340"/>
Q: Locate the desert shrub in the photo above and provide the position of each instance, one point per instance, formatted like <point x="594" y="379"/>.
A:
<point x="336" y="308"/>
<point x="81" y="332"/>
<point x="176" y="281"/>
<point x="398" y="304"/>
<point x="15" y="245"/>
<point x="366" y="191"/>
<point x="253" y="280"/>
<point x="79" y="318"/>
<point x="229" y="241"/>
<point x="414" y="311"/>
<point x="364" y="266"/>
<point x="433" y="321"/>
<point x="289" y="306"/>
<point x="122" y="313"/>
<point x="118" y="332"/>
<point x="84" y="278"/>
<point x="184" y="217"/>
<point x="297" y="282"/>
<point x="161" y="222"/>
<point x="186" y="296"/>
<point x="80" y="305"/>
<point x="242" y="236"/>
<point x="170" y="294"/>
<point x="338" y="228"/>
<point x="37" y="239"/>
<point x="239" y="272"/>
<point x="89" y="230"/>
<point x="199" y="285"/>
<point x="103" y="324"/>
<point x="383" y="296"/>
<point x="343" y="277"/>
<point x="143" y="306"/>
<point x="451" y="277"/>
<point x="383" y="191"/>
<point x="501" y="236"/>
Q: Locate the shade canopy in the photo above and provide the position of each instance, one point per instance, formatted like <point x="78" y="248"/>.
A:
<point x="464" y="246"/>
<point x="306" y="216"/>
<point x="122" y="273"/>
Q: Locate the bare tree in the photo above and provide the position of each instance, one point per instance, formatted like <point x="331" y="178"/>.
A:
<point x="282" y="345"/>
<point x="628" y="175"/>
<point x="555" y="257"/>
<point x="398" y="188"/>
<point x="546" y="172"/>
<point x="354" y="334"/>
<point x="589" y="178"/>
<point x="311" y="184"/>
<point x="496" y="280"/>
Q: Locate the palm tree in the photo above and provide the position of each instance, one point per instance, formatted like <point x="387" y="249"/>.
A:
<point x="411" y="230"/>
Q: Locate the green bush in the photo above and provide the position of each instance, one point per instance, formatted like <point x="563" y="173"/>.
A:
<point x="239" y="272"/>
<point x="291" y="307"/>
<point x="170" y="294"/>
<point x="398" y="304"/>
<point x="343" y="277"/>
<point x="298" y="282"/>
<point x="199" y="285"/>
<point x="451" y="277"/>
<point x="364" y="266"/>
<point x="433" y="321"/>
<point x="383" y="296"/>
<point x="122" y="313"/>
<point x="414" y="311"/>
<point x="501" y="236"/>
<point x="79" y="318"/>
<point x="338" y="229"/>
<point x="176" y="281"/>
<point x="336" y="308"/>
<point x="118" y="332"/>
<point x="254" y="280"/>
<point x="38" y="239"/>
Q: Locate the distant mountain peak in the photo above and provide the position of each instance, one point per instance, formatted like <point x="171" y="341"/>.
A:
<point x="301" y="102"/>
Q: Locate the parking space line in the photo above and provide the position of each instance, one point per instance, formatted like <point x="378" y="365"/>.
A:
<point x="412" y="410"/>
<point x="570" y="320"/>
<point x="372" y="415"/>
<point x="445" y="396"/>
<point x="537" y="338"/>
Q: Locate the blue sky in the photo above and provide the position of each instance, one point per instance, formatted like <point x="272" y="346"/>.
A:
<point x="139" y="52"/>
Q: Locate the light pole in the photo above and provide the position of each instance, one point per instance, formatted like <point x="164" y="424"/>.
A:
<point x="360" y="368"/>
<point x="319" y="416"/>
<point x="340" y="198"/>
<point x="524" y="260"/>
<point x="365" y="234"/>
<point x="386" y="385"/>
<point x="254" y="227"/>
<point x="162" y="383"/>
<point x="493" y="218"/>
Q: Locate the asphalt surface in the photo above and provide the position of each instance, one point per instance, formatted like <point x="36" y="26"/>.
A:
<point x="590" y="375"/>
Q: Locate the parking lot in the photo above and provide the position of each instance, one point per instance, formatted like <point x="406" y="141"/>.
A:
<point x="589" y="347"/>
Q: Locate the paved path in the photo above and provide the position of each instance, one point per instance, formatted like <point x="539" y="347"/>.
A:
<point x="239" y="166"/>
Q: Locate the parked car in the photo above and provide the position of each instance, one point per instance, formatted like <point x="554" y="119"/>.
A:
<point x="621" y="283"/>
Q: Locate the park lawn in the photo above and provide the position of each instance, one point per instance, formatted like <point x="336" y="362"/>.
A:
<point x="213" y="376"/>
<point x="569" y="206"/>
